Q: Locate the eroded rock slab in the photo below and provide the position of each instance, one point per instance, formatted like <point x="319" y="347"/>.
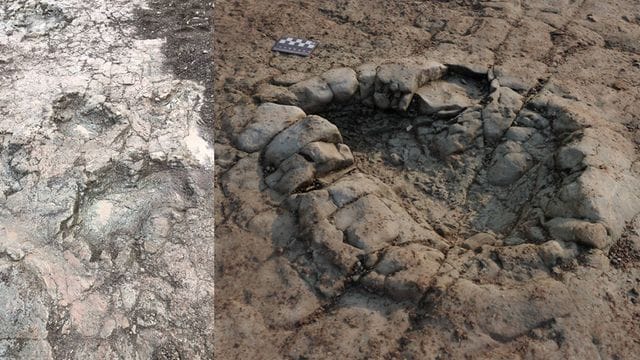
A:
<point x="106" y="232"/>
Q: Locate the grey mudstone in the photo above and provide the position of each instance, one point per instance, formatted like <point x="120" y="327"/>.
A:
<point x="329" y="238"/>
<point x="312" y="94"/>
<point x="568" y="157"/>
<point x="366" y="79"/>
<point x="314" y="160"/>
<point x="469" y="69"/>
<point x="438" y="96"/>
<point x="368" y="223"/>
<point x="513" y="240"/>
<point x="407" y="77"/>
<point x="528" y="118"/>
<point x="312" y="207"/>
<point x="405" y="273"/>
<point x="404" y="101"/>
<point x="509" y="164"/>
<point x="478" y="240"/>
<point x="509" y="168"/>
<point x="328" y="157"/>
<point x="381" y="100"/>
<point x="293" y="173"/>
<point x="580" y="231"/>
<point x="552" y="251"/>
<point x="508" y="312"/>
<point x="605" y="190"/>
<point x="499" y="114"/>
<point x="275" y="94"/>
<point x="567" y="114"/>
<point x="343" y="83"/>
<point x="519" y="134"/>
<point x="522" y="80"/>
<point x="348" y="189"/>
<point x="397" y="82"/>
<point x="291" y="140"/>
<point x="535" y="234"/>
<point x="268" y="121"/>
<point x="459" y="136"/>
<point x="278" y="277"/>
<point x="237" y="118"/>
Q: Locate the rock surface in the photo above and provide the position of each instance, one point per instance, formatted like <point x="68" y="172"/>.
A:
<point x="498" y="222"/>
<point x="268" y="121"/>
<point x="106" y="161"/>
<point x="441" y="96"/>
<point x="312" y="94"/>
<point x="343" y="83"/>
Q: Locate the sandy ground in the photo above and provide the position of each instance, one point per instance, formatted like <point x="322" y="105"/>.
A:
<point x="523" y="288"/>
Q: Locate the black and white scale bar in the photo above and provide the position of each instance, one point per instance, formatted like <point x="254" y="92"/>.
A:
<point x="294" y="45"/>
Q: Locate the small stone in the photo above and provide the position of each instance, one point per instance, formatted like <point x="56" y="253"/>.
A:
<point x="382" y="101"/>
<point x="442" y="230"/>
<point x="535" y="234"/>
<point x="514" y="240"/>
<point x="478" y="240"/>
<point x="531" y="119"/>
<point x="15" y="254"/>
<point x="368" y="223"/>
<point x="408" y="77"/>
<point x="366" y="79"/>
<point x="508" y="168"/>
<point x="568" y="157"/>
<point x="328" y="157"/>
<point x="312" y="94"/>
<point x="343" y="82"/>
<point x="552" y="251"/>
<point x="291" y="140"/>
<point x="268" y="121"/>
<point x="439" y="96"/>
<point x="519" y="134"/>
<point x="500" y="113"/>
<point x="580" y="231"/>
<point x="292" y="174"/>
<point x="396" y="159"/>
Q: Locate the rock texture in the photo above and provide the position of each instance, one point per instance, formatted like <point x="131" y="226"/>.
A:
<point x="491" y="204"/>
<point x="105" y="188"/>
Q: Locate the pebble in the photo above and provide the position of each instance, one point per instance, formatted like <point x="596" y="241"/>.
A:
<point x="396" y="159"/>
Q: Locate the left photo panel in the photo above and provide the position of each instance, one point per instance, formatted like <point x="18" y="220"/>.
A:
<point x="106" y="179"/>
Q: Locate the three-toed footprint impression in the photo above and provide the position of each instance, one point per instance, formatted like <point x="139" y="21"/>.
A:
<point x="384" y="167"/>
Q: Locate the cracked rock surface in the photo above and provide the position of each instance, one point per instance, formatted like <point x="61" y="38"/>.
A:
<point x="440" y="180"/>
<point x="106" y="233"/>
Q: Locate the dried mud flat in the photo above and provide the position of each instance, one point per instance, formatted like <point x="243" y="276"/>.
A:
<point x="439" y="180"/>
<point x="106" y="164"/>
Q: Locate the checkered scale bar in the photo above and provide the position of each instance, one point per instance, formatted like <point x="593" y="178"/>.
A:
<point x="293" y="45"/>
